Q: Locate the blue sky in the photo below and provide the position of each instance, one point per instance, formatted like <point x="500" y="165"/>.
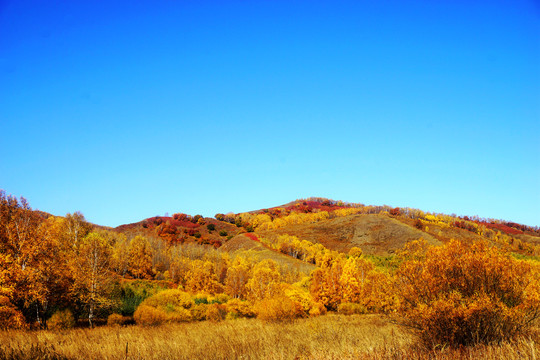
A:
<point x="126" y="110"/>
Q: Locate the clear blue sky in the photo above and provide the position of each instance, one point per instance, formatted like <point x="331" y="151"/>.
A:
<point x="129" y="109"/>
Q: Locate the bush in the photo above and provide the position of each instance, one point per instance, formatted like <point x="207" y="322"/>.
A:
<point x="278" y="309"/>
<point x="117" y="320"/>
<point x="220" y="217"/>
<point x="200" y="299"/>
<point x="61" y="320"/>
<point x="149" y="316"/>
<point x="317" y="309"/>
<point x="10" y="317"/>
<point x="216" y="312"/>
<point x="462" y="294"/>
<point x="223" y="233"/>
<point x="198" y="311"/>
<point x="132" y="293"/>
<point x="167" y="306"/>
<point x="211" y="227"/>
<point x="219" y="299"/>
<point x="237" y="308"/>
<point x="172" y="298"/>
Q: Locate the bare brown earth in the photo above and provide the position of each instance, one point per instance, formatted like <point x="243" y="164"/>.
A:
<point x="375" y="234"/>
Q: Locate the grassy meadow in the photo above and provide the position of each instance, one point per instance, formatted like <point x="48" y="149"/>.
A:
<point x="325" y="337"/>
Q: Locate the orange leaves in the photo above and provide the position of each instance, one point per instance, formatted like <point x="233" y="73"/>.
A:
<point x="140" y="258"/>
<point x="352" y="280"/>
<point x="464" y="294"/>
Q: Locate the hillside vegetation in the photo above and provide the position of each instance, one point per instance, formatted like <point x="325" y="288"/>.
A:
<point x="451" y="281"/>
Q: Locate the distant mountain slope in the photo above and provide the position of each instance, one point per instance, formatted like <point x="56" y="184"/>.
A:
<point x="247" y="242"/>
<point x="373" y="233"/>
<point x="338" y="225"/>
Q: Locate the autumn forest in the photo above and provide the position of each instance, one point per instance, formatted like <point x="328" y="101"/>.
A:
<point x="312" y="279"/>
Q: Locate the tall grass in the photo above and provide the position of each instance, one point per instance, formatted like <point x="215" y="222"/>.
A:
<point x="324" y="337"/>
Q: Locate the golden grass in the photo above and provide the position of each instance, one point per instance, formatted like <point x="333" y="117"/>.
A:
<point x="325" y="337"/>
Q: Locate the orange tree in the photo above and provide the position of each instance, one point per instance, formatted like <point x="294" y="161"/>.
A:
<point x="460" y="294"/>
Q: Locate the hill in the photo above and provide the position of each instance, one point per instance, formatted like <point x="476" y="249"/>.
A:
<point x="374" y="233"/>
<point x="337" y="225"/>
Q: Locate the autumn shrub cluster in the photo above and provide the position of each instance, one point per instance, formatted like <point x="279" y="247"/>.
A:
<point x="167" y="306"/>
<point x="61" y="320"/>
<point x="461" y="294"/>
<point x="278" y="309"/>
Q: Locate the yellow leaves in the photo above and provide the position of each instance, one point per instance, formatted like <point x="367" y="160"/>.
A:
<point x="265" y="281"/>
<point x="462" y="294"/>
<point x="202" y="278"/>
<point x="140" y="258"/>
<point x="238" y="275"/>
<point x="278" y="309"/>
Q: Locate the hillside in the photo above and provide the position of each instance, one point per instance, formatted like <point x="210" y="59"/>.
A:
<point x="337" y="225"/>
<point x="374" y="233"/>
<point x="248" y="244"/>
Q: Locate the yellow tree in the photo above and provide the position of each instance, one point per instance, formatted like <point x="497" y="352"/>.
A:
<point x="202" y="278"/>
<point x="354" y="279"/>
<point x="237" y="278"/>
<point x="265" y="281"/>
<point x="30" y="252"/>
<point x="92" y="275"/>
<point x="326" y="286"/>
<point x="140" y="258"/>
<point x="76" y="228"/>
<point x="120" y="255"/>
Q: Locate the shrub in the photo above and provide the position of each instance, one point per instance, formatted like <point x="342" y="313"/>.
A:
<point x="117" y="320"/>
<point x="462" y="294"/>
<point x="131" y="294"/>
<point x="238" y="308"/>
<point x="167" y="306"/>
<point x="170" y="300"/>
<point x="200" y="299"/>
<point x="211" y="227"/>
<point x="60" y="320"/>
<point x="223" y="233"/>
<point x="219" y="299"/>
<point x="179" y="315"/>
<point x="149" y="316"/>
<point x="220" y="217"/>
<point x="198" y="311"/>
<point x="10" y="317"/>
<point x="278" y="309"/>
<point x="216" y="312"/>
<point x="317" y="309"/>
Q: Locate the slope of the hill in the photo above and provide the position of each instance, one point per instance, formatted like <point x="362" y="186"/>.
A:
<point x="247" y="243"/>
<point x="176" y="230"/>
<point x="374" y="233"/>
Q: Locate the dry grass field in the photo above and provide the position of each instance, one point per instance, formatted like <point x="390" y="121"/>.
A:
<point x="325" y="337"/>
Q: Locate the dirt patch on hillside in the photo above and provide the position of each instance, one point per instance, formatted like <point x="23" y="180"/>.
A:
<point x="373" y="233"/>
